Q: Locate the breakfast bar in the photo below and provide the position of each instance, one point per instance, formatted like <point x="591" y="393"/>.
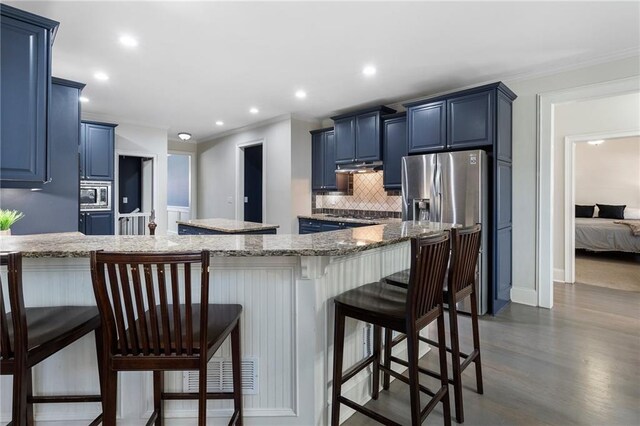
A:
<point x="284" y="282"/>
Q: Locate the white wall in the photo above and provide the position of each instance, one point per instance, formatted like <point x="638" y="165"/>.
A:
<point x="525" y="120"/>
<point x="287" y="152"/>
<point x="608" y="173"/>
<point x="613" y="114"/>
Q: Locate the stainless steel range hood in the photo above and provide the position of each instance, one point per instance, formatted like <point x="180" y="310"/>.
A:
<point x="361" y="167"/>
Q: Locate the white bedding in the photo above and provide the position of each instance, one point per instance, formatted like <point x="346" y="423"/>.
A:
<point x="598" y="234"/>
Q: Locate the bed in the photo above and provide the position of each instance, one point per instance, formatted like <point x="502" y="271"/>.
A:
<point x="597" y="234"/>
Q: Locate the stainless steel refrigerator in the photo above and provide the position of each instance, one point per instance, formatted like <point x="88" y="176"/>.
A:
<point x="450" y="187"/>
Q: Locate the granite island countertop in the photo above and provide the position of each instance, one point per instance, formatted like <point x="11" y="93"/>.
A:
<point x="227" y="225"/>
<point x="334" y="243"/>
<point x="337" y="218"/>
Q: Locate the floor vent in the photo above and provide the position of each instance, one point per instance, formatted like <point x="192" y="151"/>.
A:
<point x="220" y="378"/>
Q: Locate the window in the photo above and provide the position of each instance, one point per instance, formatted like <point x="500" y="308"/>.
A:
<point x="179" y="180"/>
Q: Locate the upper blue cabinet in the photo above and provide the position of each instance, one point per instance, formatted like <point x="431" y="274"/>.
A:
<point x="394" y="142"/>
<point x="359" y="135"/>
<point x="25" y="74"/>
<point x="461" y="120"/>
<point x="96" y="150"/>
<point x="323" y="162"/>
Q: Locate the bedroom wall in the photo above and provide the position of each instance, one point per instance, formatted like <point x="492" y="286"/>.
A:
<point x="611" y="114"/>
<point x="608" y="173"/>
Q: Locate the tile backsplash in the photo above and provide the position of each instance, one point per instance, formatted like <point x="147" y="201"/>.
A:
<point x="368" y="195"/>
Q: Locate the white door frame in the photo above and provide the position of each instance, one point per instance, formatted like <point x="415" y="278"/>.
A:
<point x="570" y="196"/>
<point x="240" y="177"/>
<point x="545" y="178"/>
<point x="116" y="179"/>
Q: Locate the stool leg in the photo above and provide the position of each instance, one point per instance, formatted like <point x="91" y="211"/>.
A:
<point x="414" y="383"/>
<point x="455" y="361"/>
<point x="476" y="341"/>
<point x="110" y="397"/>
<point x="386" y="377"/>
<point x="29" y="393"/>
<point x="237" y="373"/>
<point x="21" y="378"/>
<point x="158" y="386"/>
<point x="338" y="347"/>
<point x="444" y="374"/>
<point x="101" y="363"/>
<point x="377" y="346"/>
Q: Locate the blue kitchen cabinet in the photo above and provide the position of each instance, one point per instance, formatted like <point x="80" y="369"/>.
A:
<point x="96" y="223"/>
<point x="196" y="230"/>
<point x="359" y="135"/>
<point x="323" y="162"/>
<point x="25" y="78"/>
<point x="470" y="120"/>
<point x="345" y="134"/>
<point x="427" y="126"/>
<point x="97" y="150"/>
<point x="394" y="147"/>
<point x="312" y="226"/>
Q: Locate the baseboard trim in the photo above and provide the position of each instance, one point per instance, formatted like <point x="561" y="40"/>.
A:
<point x="524" y="296"/>
<point x="558" y="275"/>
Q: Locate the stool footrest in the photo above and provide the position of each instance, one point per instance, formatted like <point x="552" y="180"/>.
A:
<point x="61" y="399"/>
<point x="153" y="418"/>
<point x="96" y="421"/>
<point x="406" y="380"/>
<point x="367" y="412"/>
<point x="432" y="404"/>
<point x="422" y="370"/>
<point x="179" y="396"/>
<point x="357" y="368"/>
<point x="469" y="359"/>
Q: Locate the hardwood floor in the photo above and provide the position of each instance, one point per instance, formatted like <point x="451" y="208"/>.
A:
<point x="577" y="364"/>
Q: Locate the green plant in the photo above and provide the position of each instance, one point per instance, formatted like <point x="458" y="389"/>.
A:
<point x="8" y="218"/>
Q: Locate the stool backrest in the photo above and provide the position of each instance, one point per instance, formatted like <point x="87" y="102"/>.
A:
<point x="13" y="262"/>
<point x="429" y="257"/>
<point x="127" y="285"/>
<point x="465" y="247"/>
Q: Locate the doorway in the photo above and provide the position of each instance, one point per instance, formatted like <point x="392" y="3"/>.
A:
<point x="253" y="184"/>
<point x="134" y="194"/>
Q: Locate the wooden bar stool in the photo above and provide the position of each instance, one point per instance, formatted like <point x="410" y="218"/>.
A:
<point x="405" y="310"/>
<point x="461" y="284"/>
<point x="151" y="326"/>
<point x="31" y="335"/>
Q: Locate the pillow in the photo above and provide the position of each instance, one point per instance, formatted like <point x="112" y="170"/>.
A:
<point x="610" y="212"/>
<point x="584" y="211"/>
<point x="632" y="213"/>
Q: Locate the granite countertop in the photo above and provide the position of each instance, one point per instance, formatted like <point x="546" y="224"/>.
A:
<point x="334" y="243"/>
<point x="336" y="218"/>
<point x="227" y="225"/>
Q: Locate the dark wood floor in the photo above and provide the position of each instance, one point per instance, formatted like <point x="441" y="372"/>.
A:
<point x="577" y="364"/>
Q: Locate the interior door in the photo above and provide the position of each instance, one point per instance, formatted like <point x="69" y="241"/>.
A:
<point x="253" y="184"/>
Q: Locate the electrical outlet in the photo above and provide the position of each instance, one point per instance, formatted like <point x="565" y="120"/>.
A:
<point x="125" y="200"/>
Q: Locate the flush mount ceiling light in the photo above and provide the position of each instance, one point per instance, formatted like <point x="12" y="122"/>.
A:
<point x="301" y="94"/>
<point x="128" y="41"/>
<point x="219" y="123"/>
<point x="101" y="76"/>
<point x="369" y="70"/>
<point x="83" y="99"/>
<point x="254" y="110"/>
<point x="598" y="142"/>
<point x="184" y="136"/>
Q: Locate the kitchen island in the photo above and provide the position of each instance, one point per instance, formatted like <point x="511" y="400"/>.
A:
<point x="217" y="226"/>
<point x="284" y="282"/>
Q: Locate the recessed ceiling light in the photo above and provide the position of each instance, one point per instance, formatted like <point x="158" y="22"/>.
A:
<point x="254" y="110"/>
<point x="219" y="123"/>
<point x="128" y="41"/>
<point x="83" y="99"/>
<point x="301" y="94"/>
<point x="598" y="142"/>
<point x="184" y="136"/>
<point x="101" y="76"/>
<point x="369" y="70"/>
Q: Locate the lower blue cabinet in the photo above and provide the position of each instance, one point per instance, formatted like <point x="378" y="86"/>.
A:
<point x="96" y="223"/>
<point x="312" y="226"/>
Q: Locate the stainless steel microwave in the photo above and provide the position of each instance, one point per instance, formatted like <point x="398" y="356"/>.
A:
<point x="95" y="195"/>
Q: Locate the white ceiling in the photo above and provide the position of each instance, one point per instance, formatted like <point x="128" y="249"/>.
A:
<point x="198" y="62"/>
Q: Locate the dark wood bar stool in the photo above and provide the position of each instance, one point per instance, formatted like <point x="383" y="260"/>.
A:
<point x="460" y="285"/>
<point x="405" y="310"/>
<point x="151" y="326"/>
<point x="31" y="335"/>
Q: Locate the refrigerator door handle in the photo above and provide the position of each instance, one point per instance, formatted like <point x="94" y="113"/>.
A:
<point x="436" y="194"/>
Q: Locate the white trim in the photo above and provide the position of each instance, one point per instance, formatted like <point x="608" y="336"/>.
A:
<point x="116" y="179"/>
<point x="544" y="190"/>
<point x="570" y="197"/>
<point x="559" y="276"/>
<point x="524" y="296"/>
<point x="240" y="177"/>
